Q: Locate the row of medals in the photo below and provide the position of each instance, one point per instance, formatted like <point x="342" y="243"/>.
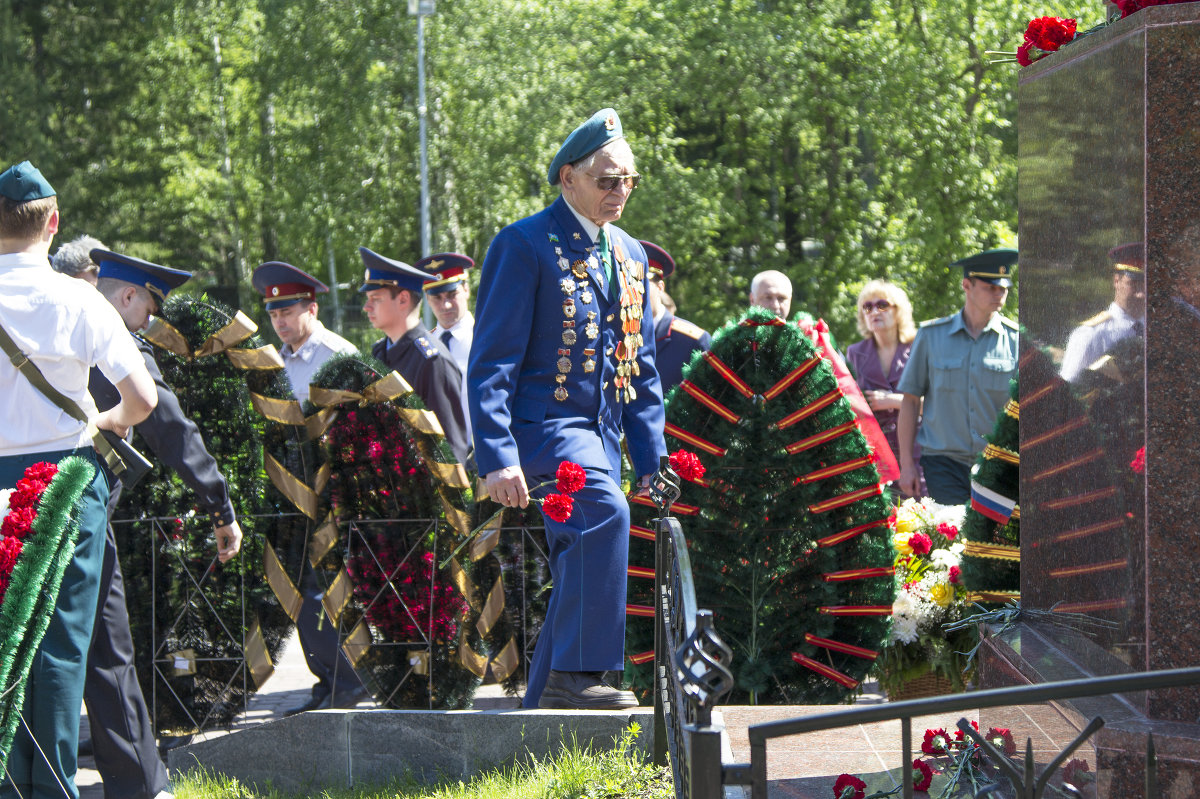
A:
<point x="631" y="315"/>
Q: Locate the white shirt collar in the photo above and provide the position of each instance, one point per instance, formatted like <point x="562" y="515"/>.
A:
<point x="464" y="322"/>
<point x="589" y="227"/>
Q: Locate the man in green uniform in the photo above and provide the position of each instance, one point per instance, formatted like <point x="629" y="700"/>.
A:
<point x="960" y="367"/>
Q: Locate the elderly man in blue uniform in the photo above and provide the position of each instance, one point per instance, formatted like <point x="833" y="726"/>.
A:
<point x="675" y="339"/>
<point x="1124" y="317"/>
<point x="960" y="366"/>
<point x="65" y="327"/>
<point x="122" y="733"/>
<point x="448" y="294"/>
<point x="290" y="297"/>
<point x="562" y="364"/>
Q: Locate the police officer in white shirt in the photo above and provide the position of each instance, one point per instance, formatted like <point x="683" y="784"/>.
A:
<point x="290" y="295"/>
<point x="65" y="327"/>
<point x="1125" y="317"/>
<point x="291" y="299"/>
<point x="447" y="295"/>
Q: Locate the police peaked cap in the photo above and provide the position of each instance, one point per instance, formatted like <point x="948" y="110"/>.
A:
<point x="993" y="266"/>
<point x="383" y="271"/>
<point x="158" y="280"/>
<point x="282" y="284"/>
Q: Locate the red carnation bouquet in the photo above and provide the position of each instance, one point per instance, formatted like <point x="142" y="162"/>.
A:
<point x="18" y="507"/>
<point x="37" y="541"/>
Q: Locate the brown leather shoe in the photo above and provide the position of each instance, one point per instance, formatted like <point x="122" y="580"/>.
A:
<point x="583" y="690"/>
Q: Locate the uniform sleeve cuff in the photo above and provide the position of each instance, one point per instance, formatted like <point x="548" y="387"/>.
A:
<point x="223" y="516"/>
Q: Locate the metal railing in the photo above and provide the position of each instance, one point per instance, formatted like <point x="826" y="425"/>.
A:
<point x="692" y="675"/>
<point x="696" y="674"/>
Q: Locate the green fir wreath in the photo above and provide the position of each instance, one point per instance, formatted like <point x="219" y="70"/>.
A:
<point x="788" y="534"/>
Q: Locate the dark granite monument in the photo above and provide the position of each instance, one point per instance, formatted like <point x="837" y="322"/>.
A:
<point x="1109" y="199"/>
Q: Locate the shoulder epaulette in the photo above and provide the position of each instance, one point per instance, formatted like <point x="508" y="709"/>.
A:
<point x="1103" y="316"/>
<point x="426" y="347"/>
<point x="1004" y="320"/>
<point x="687" y="328"/>
<point x="932" y="322"/>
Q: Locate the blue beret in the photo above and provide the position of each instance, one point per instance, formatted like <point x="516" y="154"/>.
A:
<point x="447" y="270"/>
<point x="160" y="280"/>
<point x="383" y="272"/>
<point x="661" y="262"/>
<point x="23" y="182"/>
<point x="603" y="126"/>
<point x="282" y="284"/>
<point x="993" y="266"/>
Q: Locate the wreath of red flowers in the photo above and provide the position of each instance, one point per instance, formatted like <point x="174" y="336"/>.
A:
<point x="18" y="522"/>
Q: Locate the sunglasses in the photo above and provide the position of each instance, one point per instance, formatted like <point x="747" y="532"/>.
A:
<point x="877" y="305"/>
<point x="610" y="182"/>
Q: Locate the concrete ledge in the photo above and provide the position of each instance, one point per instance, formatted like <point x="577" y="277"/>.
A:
<point x="347" y="748"/>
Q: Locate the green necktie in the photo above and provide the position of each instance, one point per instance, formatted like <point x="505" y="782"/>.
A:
<point x="606" y="257"/>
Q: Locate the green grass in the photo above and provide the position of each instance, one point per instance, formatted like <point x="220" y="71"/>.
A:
<point x="572" y="773"/>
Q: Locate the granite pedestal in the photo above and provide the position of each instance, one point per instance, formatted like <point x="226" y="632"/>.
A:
<point x="1109" y="142"/>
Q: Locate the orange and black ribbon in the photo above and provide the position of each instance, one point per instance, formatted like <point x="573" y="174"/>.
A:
<point x="694" y="391"/>
<point x="695" y="440"/>
<point x="730" y="376"/>
<point x="809" y="409"/>
<point x="825" y="671"/>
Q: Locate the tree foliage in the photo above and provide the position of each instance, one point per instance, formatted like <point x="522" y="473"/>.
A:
<point x="836" y="142"/>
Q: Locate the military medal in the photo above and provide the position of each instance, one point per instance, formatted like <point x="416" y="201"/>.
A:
<point x="569" y="308"/>
<point x="586" y="297"/>
<point x="568" y="337"/>
<point x="576" y="236"/>
<point x="564" y="363"/>
<point x="567" y="285"/>
<point x="560" y="393"/>
<point x="579" y="269"/>
<point x="591" y="330"/>
<point x="589" y="364"/>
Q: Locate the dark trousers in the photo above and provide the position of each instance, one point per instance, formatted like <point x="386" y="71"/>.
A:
<point x="122" y="732"/>
<point x="319" y="641"/>
<point x="54" y="691"/>
<point x="589" y="563"/>
<point x="948" y="480"/>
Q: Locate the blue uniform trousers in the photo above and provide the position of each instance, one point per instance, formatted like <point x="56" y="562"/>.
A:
<point x="54" y="692"/>
<point x="589" y="560"/>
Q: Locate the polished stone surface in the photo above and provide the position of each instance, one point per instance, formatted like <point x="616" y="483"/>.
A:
<point x="1110" y="155"/>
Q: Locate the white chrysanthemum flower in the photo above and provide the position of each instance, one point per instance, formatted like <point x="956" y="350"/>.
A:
<point x="4" y="497"/>
<point x="904" y="629"/>
<point x="953" y="515"/>
<point x="944" y="558"/>
<point x="957" y="548"/>
<point x="904" y="605"/>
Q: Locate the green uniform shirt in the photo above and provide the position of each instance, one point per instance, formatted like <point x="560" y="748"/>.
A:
<point x="964" y="382"/>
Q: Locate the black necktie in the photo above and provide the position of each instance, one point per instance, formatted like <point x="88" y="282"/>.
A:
<point x="446" y="337"/>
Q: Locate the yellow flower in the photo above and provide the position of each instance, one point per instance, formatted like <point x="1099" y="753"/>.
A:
<point x="900" y="542"/>
<point x="907" y="521"/>
<point x="941" y="594"/>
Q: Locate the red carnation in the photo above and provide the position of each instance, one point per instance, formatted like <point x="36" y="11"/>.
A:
<point x="954" y="575"/>
<point x="959" y="735"/>
<point x="1050" y="33"/>
<point x="937" y="742"/>
<point x="922" y="775"/>
<point x="1138" y="464"/>
<point x="920" y="543"/>
<point x="42" y="472"/>
<point x="948" y="530"/>
<point x="24" y="496"/>
<point x="558" y="507"/>
<point x="18" y="522"/>
<point x="10" y="549"/>
<point x="849" y="787"/>
<point x="1023" y="57"/>
<point x="1071" y="771"/>
<point x="687" y="465"/>
<point x="570" y="477"/>
<point x="1002" y="739"/>
<point x="1128" y="7"/>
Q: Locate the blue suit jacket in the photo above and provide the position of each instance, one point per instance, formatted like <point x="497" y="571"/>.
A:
<point x="519" y="327"/>
<point x="675" y="340"/>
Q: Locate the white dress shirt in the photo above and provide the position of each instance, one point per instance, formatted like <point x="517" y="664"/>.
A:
<point x="462" y="333"/>
<point x="65" y="327"/>
<point x="321" y="345"/>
